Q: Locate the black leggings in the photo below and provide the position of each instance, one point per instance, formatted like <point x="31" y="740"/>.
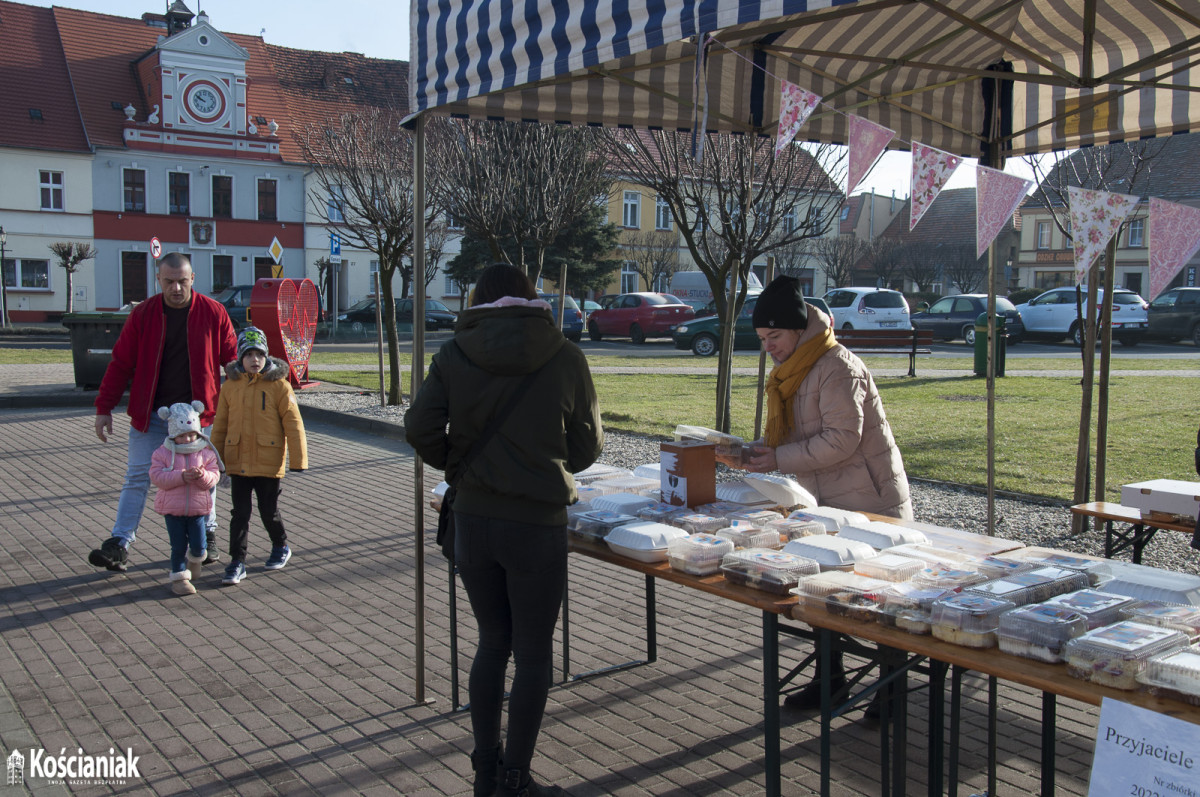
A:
<point x="267" y="490"/>
<point x="514" y="574"/>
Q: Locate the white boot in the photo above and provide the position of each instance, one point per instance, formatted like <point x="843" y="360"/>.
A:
<point x="196" y="565"/>
<point x="181" y="583"/>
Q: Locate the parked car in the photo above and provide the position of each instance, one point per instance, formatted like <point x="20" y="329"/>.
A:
<point x="572" y="323"/>
<point x="711" y="307"/>
<point x="703" y="335"/>
<point x="236" y="299"/>
<point x="953" y="317"/>
<point x="868" y="308"/>
<point x="1052" y="315"/>
<point x="640" y="316"/>
<point x="1175" y="315"/>
<point x="361" y="315"/>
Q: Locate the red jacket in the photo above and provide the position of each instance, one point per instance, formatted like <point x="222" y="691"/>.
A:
<point x="137" y="355"/>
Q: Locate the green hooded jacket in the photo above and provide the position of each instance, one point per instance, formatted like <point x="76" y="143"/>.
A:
<point x="523" y="473"/>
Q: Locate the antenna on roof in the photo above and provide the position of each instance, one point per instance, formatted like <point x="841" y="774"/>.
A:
<point x="262" y="33"/>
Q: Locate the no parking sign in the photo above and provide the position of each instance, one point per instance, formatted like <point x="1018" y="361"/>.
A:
<point x="155" y="248"/>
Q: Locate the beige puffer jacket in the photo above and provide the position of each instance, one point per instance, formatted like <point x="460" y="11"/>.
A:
<point x="841" y="446"/>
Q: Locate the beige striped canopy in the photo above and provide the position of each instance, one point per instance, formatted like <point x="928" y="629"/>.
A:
<point x="1080" y="72"/>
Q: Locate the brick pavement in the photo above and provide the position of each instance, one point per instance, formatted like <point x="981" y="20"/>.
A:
<point x="302" y="681"/>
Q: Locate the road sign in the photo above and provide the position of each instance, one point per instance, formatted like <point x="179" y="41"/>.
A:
<point x="155" y="248"/>
<point x="275" y="250"/>
<point x="335" y="248"/>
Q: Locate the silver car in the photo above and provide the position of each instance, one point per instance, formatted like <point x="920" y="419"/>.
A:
<point x="1052" y="315"/>
<point x="868" y="308"/>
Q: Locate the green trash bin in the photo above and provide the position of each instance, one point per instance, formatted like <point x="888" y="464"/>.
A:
<point x="981" y="329"/>
<point x="92" y="339"/>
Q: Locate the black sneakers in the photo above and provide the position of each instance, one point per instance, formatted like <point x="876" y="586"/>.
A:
<point x="111" y="555"/>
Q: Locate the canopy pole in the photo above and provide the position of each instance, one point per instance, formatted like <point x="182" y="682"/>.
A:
<point x="418" y="376"/>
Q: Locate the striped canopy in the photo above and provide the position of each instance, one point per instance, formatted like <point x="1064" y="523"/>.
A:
<point x="1081" y="72"/>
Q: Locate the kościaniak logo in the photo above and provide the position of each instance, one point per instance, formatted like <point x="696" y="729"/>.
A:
<point x="78" y="769"/>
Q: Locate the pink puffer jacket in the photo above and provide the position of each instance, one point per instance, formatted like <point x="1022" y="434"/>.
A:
<point x="175" y="496"/>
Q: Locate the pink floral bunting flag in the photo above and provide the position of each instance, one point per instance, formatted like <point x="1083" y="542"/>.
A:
<point x="795" y="106"/>
<point x="931" y="168"/>
<point x="1095" y="218"/>
<point x="1174" y="238"/>
<point x="997" y="196"/>
<point x="867" y="141"/>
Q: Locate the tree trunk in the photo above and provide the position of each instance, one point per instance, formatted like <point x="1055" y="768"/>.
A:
<point x="1083" y="449"/>
<point x="70" y="292"/>
<point x="1110" y="258"/>
<point x="388" y="308"/>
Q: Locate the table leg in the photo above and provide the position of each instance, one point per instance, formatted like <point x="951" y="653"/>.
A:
<point x="453" y="605"/>
<point x="771" y="701"/>
<point x="993" y="690"/>
<point x="1049" y="719"/>
<point x="824" y="665"/>
<point x="955" y="727"/>
<point x="937" y="721"/>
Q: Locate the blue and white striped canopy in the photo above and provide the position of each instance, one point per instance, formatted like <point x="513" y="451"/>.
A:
<point x="1083" y="72"/>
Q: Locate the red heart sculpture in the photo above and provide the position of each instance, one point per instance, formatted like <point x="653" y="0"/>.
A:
<point x="287" y="312"/>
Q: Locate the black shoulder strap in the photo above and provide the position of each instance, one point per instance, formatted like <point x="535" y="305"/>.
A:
<point x="497" y="421"/>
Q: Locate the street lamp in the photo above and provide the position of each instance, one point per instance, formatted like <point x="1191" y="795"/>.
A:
<point x="3" y="282"/>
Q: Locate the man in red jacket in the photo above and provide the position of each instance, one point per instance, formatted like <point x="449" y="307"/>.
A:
<point x="171" y="350"/>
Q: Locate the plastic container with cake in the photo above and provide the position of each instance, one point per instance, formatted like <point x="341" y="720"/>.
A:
<point x="727" y="445"/>
<point x="1174" y="674"/>
<point x="643" y="540"/>
<point x="888" y="567"/>
<point x="955" y="577"/>
<point x="1115" y="654"/>
<point x="831" y="552"/>
<point x="907" y="606"/>
<point x="842" y="594"/>
<point x="594" y="525"/>
<point x="1039" y="631"/>
<point x="661" y="512"/>
<point x="998" y="567"/>
<point x="587" y="493"/>
<point x="769" y="570"/>
<point x="626" y="503"/>
<point x="968" y="619"/>
<point x="698" y="522"/>
<point x="880" y="535"/>
<point x="724" y="509"/>
<point x="830" y="517"/>
<point x="1034" y="586"/>
<point x="1166" y="615"/>
<point x="1097" y="570"/>
<point x="790" y="529"/>
<point x="1098" y="608"/>
<point x="756" y="517"/>
<point x="746" y="535"/>
<point x="698" y="554"/>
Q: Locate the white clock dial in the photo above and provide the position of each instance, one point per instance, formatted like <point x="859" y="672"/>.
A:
<point x="203" y="100"/>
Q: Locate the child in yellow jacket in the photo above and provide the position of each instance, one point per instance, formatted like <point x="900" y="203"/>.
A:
<point x="257" y="426"/>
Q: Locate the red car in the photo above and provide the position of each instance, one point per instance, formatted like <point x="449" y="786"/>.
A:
<point x="640" y="316"/>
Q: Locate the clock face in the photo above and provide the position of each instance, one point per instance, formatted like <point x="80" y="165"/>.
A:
<point x="205" y="102"/>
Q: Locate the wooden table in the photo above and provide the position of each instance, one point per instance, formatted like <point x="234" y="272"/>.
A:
<point x="1140" y="529"/>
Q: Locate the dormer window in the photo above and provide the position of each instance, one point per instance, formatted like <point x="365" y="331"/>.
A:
<point x="36" y="114"/>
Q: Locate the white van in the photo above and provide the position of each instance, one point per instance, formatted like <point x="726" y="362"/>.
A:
<point x="692" y="287"/>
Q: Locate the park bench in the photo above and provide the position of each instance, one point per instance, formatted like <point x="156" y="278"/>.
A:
<point x="888" y="341"/>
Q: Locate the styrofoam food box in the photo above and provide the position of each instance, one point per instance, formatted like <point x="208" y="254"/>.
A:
<point x="882" y="535"/>
<point x="643" y="540"/>
<point x="830" y="552"/>
<point x="629" y="503"/>
<point x="833" y="519"/>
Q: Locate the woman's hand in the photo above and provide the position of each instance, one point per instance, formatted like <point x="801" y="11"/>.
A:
<point x="760" y="459"/>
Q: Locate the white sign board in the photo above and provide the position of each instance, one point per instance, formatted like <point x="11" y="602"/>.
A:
<point x="1143" y="753"/>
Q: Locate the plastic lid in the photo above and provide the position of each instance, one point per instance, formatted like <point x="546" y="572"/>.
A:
<point x="1175" y="669"/>
<point x="939" y="576"/>
<point x="882" y="535"/>
<point x="727" y="508"/>
<point x="756" y="517"/>
<point x="745" y="535"/>
<point x="1042" y="624"/>
<point x="1166" y="615"/>
<point x="830" y="552"/>
<point x="795" y="529"/>
<point x="888" y="567"/>
<point x="659" y="512"/>
<point x="1033" y="587"/>
<point x="969" y="612"/>
<point x="824" y="585"/>
<point x="699" y="548"/>
<point x="774" y="571"/>
<point x="1152" y="584"/>
<point x="833" y="519"/>
<point x="629" y="503"/>
<point x="687" y="432"/>
<point x="630" y="484"/>
<point x="597" y="523"/>
<point x="1098" y="608"/>
<point x="1097" y="569"/>
<point x="998" y="567"/>
<point x="697" y="522"/>
<point x="1127" y="641"/>
<point x="651" y="470"/>
<point x="644" y="535"/>
<point x="912" y="596"/>
<point x="934" y="555"/>
<point x="598" y="471"/>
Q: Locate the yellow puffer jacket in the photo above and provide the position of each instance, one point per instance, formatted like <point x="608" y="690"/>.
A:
<point x="258" y="422"/>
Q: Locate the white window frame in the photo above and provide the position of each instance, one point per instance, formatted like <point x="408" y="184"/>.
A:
<point x="453" y="222"/>
<point x="789" y="219"/>
<point x="451" y="287"/>
<point x="18" y="271"/>
<point x="631" y="210"/>
<point x="335" y="204"/>
<point x="1135" y="238"/>
<point x="1043" y="235"/>
<point x="49" y="190"/>
<point x="630" y="279"/>
<point x="145" y="190"/>
<point x="188" y="210"/>
<point x="662" y="214"/>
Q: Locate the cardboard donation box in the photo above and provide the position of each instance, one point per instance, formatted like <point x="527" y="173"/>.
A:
<point x="688" y="473"/>
<point x="1163" y="497"/>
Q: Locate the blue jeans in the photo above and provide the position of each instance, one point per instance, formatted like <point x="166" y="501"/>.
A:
<point x="132" y="502"/>
<point x="185" y="532"/>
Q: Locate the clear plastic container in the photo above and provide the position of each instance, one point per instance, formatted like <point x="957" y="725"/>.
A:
<point x="1175" y="674"/>
<point x="771" y="571"/>
<point x="931" y="554"/>
<point x="594" y="526"/>
<point x="587" y="493"/>
<point x="946" y="576"/>
<point x="628" y="503"/>
<point x="1097" y="570"/>
<point x="842" y="594"/>
<point x="1115" y="654"/>
<point x="1039" y="631"/>
<point x="1033" y="587"/>
<point x="698" y="554"/>
<point x="1151" y="584"/>
<point x="832" y="519"/>
<point x="756" y="517"/>
<point x="661" y="512"/>
<point x="882" y="535"/>
<point x="1098" y="608"/>
<point x="651" y="470"/>
<point x="643" y="540"/>
<point x="907" y="606"/>
<point x="1166" y="615"/>
<point x="998" y="567"/>
<point x="967" y="619"/>
<point x="830" y="552"/>
<point x="726" y="508"/>
<point x="888" y="567"/>
<point x="729" y="445"/>
<point x="698" y="523"/>
<point x="650" y="488"/>
<point x="578" y="508"/>
<point x="597" y="471"/>
<point x="746" y="535"/>
<point x="790" y="529"/>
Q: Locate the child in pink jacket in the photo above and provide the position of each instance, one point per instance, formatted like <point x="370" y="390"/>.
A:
<point x="184" y="469"/>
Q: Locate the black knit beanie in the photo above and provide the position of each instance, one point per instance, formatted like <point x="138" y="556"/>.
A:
<point x="781" y="305"/>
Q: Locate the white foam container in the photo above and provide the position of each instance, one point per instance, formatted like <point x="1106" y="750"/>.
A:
<point x="833" y="519"/>
<point x="882" y="535"/>
<point x="643" y="540"/>
<point x="831" y="552"/>
<point x="628" y="503"/>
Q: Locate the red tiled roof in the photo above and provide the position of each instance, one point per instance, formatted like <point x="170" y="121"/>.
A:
<point x="34" y="74"/>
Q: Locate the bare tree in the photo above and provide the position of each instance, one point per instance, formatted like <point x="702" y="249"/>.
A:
<point x="653" y="254"/>
<point x="436" y="236"/>
<point x="919" y="263"/>
<point x="734" y="204"/>
<point x="516" y="181"/>
<point x="883" y="256"/>
<point x="962" y="268"/>
<point x="70" y="255"/>
<point x="838" y="256"/>
<point x="363" y="170"/>
<point x="794" y="258"/>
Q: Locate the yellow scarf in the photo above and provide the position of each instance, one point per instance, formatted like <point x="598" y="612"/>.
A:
<point x="785" y="380"/>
